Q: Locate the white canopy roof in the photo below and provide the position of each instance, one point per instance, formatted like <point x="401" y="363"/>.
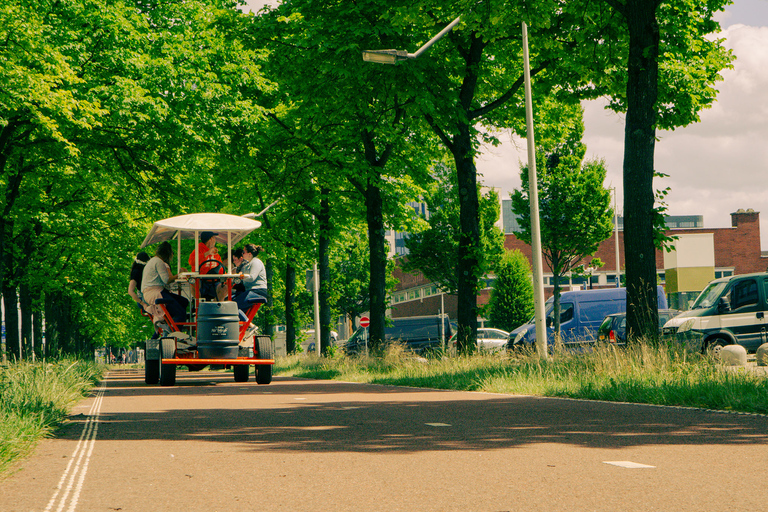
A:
<point x="190" y="226"/>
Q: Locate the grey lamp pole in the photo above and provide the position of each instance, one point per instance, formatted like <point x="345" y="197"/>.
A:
<point x="533" y="195"/>
<point x="395" y="56"/>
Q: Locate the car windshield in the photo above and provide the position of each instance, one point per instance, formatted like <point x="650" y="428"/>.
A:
<point x="358" y="336"/>
<point x="709" y="296"/>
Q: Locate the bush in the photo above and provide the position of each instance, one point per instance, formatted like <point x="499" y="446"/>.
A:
<point x="511" y="302"/>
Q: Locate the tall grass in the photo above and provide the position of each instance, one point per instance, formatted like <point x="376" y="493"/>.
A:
<point x="661" y="375"/>
<point x="35" y="398"/>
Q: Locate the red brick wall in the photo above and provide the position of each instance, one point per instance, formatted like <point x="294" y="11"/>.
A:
<point x="737" y="246"/>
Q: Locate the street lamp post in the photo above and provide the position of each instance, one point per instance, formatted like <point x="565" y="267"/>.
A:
<point x="533" y="196"/>
<point x="395" y="56"/>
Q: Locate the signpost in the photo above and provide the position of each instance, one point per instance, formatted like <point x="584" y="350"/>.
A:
<point x="365" y="322"/>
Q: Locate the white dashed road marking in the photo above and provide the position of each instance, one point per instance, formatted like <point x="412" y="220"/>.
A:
<point x="628" y="464"/>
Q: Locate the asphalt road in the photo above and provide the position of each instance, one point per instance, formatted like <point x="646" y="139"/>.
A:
<point x="210" y="444"/>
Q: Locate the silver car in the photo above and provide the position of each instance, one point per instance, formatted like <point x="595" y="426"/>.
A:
<point x="488" y="340"/>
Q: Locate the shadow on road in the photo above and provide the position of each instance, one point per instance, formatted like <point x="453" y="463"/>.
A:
<point x="326" y="416"/>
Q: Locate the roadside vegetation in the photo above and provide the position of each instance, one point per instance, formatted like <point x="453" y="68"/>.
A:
<point x="660" y="375"/>
<point x="35" y="398"/>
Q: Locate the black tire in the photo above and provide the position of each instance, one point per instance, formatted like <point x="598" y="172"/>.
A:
<point x="715" y="346"/>
<point x="242" y="372"/>
<point x="264" y="371"/>
<point x="167" y="371"/>
<point x="152" y="371"/>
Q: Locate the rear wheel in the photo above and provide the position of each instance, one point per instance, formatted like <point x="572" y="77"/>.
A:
<point x="167" y="371"/>
<point x="152" y="371"/>
<point x="264" y="371"/>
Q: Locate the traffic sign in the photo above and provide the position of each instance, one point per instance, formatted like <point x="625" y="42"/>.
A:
<point x="365" y="321"/>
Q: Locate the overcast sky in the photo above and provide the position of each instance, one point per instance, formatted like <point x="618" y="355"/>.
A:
<point x="716" y="166"/>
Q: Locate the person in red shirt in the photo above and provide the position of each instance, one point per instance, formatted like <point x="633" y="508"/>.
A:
<point x="208" y="262"/>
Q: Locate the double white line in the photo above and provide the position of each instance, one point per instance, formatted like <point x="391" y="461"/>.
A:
<point x="68" y="489"/>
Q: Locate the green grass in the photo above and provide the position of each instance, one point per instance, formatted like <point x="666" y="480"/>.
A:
<point x="664" y="375"/>
<point x="35" y="398"/>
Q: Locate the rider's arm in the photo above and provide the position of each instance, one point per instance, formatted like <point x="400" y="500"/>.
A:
<point x="135" y="296"/>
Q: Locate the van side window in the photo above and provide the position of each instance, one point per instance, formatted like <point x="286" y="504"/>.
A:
<point x="594" y="311"/>
<point x="566" y="313"/>
<point x="765" y="291"/>
<point x="744" y="294"/>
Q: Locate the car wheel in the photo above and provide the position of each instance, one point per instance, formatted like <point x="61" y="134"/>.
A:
<point x="241" y="371"/>
<point x="264" y="371"/>
<point x="715" y="346"/>
<point x="167" y="371"/>
<point x="152" y="371"/>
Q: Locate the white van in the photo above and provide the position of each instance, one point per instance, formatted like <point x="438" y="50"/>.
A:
<point x="729" y="311"/>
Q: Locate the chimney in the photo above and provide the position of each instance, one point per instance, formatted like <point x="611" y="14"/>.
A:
<point x="742" y="216"/>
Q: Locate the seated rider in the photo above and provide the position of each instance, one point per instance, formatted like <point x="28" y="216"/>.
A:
<point x="254" y="280"/>
<point x="155" y="277"/>
<point x="206" y="251"/>
<point x="238" y="263"/>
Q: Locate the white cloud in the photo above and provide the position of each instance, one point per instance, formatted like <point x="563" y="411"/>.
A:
<point x="715" y="166"/>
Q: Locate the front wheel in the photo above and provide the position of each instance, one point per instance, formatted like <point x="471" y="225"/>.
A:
<point x="264" y="371"/>
<point x="167" y="371"/>
<point x="241" y="371"/>
<point x="152" y="371"/>
<point x="715" y="346"/>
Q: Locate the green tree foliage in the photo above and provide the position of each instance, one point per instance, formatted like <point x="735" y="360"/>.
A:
<point x="511" y="302"/>
<point x="574" y="207"/>
<point x="111" y="114"/>
<point x="434" y="250"/>
<point x="352" y="123"/>
<point x="350" y="275"/>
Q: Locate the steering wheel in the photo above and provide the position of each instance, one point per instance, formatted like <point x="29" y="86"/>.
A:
<point x="217" y="268"/>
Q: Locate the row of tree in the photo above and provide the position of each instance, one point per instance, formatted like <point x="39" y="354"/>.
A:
<point x="113" y="114"/>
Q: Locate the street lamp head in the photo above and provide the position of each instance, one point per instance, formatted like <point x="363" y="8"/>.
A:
<point x="384" y="56"/>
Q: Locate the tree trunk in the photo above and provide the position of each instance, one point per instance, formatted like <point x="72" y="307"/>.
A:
<point x="268" y="317"/>
<point x="290" y="313"/>
<point x="556" y="308"/>
<point x="25" y="303"/>
<point x="58" y="322"/>
<point x="377" y="286"/>
<point x="12" y="345"/>
<point x="469" y="220"/>
<point x="469" y="242"/>
<point x="324" y="337"/>
<point x="37" y="333"/>
<point x="639" y="145"/>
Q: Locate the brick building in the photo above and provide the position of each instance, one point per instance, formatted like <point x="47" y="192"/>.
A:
<point x="736" y="251"/>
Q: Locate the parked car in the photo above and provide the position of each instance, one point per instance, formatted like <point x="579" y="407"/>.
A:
<point x="488" y="339"/>
<point x="731" y="310"/>
<point x="308" y="345"/>
<point x="418" y="334"/>
<point x="581" y="313"/>
<point x="614" y="327"/>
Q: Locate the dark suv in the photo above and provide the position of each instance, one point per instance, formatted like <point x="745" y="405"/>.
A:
<point x="418" y="334"/>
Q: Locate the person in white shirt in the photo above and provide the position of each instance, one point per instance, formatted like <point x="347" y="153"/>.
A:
<point x="156" y="277"/>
